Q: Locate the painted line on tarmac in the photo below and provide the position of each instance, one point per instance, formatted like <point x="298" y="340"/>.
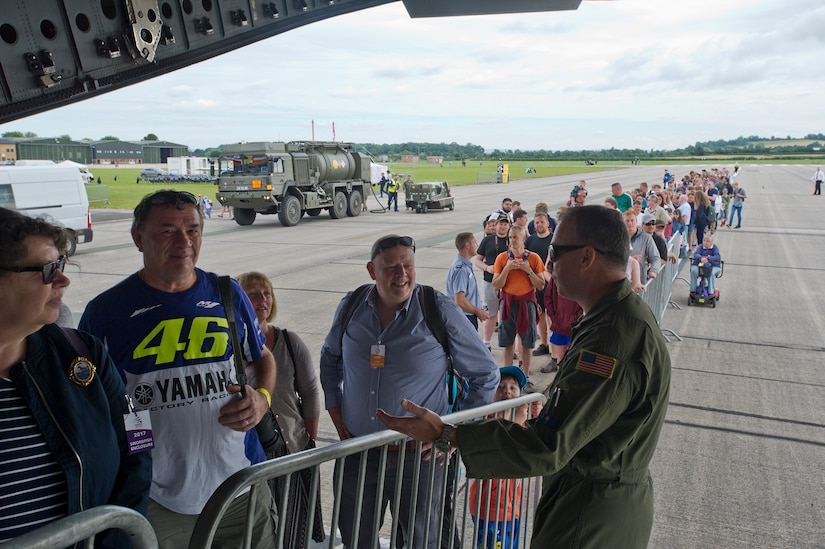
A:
<point x="742" y="376"/>
<point x="771" y="345"/>
<point x="746" y="414"/>
<point x="769" y="266"/>
<point x="744" y="432"/>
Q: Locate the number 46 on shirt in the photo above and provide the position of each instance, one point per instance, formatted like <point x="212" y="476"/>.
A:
<point x="206" y="337"/>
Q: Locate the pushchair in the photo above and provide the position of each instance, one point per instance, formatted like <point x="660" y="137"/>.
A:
<point x="702" y="295"/>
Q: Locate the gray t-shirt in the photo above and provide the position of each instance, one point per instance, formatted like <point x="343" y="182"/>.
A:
<point x="739" y="196"/>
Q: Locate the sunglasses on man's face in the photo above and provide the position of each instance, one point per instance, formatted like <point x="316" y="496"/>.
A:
<point x="172" y="197"/>
<point x="555" y="251"/>
<point x="49" y="270"/>
<point x="392" y="242"/>
<point x="650" y="224"/>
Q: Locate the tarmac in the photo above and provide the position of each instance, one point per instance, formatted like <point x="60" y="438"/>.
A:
<point x="740" y="459"/>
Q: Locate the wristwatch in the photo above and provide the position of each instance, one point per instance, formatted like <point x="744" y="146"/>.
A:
<point x="442" y="443"/>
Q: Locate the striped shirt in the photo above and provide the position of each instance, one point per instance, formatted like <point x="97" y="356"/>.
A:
<point x="33" y="488"/>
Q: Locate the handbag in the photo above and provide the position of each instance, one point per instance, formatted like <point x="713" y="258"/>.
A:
<point x="269" y="432"/>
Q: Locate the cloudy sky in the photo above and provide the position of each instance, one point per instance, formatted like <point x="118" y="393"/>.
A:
<point x="655" y="74"/>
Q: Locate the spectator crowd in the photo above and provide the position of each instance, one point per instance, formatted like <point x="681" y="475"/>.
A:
<point x="373" y="356"/>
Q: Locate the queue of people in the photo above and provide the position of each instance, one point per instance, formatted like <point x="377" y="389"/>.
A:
<point x="536" y="289"/>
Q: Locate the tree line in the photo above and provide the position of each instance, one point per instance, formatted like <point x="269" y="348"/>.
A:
<point x="741" y="146"/>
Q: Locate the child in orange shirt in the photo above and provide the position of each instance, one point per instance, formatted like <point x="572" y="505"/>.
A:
<point x="498" y="512"/>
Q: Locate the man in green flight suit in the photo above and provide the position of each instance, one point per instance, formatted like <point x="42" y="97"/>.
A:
<point x="595" y="437"/>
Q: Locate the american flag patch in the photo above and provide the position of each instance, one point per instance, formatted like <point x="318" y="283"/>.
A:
<point x="594" y="363"/>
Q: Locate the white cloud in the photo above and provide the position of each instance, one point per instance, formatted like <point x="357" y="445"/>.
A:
<point x="630" y="73"/>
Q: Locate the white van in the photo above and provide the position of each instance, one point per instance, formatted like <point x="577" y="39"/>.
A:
<point x="84" y="171"/>
<point x="54" y="191"/>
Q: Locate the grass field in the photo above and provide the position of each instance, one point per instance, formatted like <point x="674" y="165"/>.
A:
<point x="485" y="171"/>
<point x="124" y="192"/>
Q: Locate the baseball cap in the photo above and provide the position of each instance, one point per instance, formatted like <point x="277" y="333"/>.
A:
<point x="516" y="372"/>
<point x="647" y="218"/>
<point x="503" y="217"/>
<point x="660" y="223"/>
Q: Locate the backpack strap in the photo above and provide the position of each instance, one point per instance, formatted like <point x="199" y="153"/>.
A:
<point x="432" y="316"/>
<point x="225" y="286"/>
<point x="351" y="304"/>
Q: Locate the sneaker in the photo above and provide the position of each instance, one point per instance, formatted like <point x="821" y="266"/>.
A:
<point x="551" y="367"/>
<point x="541" y="350"/>
<point x="515" y="355"/>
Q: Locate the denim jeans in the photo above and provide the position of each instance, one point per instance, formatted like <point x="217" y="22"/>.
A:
<point x="733" y="211"/>
<point x="694" y="279"/>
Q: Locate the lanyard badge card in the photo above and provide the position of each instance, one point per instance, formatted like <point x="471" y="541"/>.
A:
<point x="138" y="427"/>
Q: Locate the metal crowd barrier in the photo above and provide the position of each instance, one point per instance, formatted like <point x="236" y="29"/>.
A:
<point x="282" y="468"/>
<point x="658" y="292"/>
<point x="83" y="526"/>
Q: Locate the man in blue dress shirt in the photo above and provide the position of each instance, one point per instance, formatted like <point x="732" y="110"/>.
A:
<point x="386" y="353"/>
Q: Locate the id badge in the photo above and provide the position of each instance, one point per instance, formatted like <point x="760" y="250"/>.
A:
<point x="138" y="431"/>
<point x="377" y="354"/>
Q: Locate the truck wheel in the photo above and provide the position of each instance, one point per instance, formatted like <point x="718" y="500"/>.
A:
<point x="290" y="212"/>
<point x="313" y="213"/>
<point x="71" y="245"/>
<point x="424" y="208"/>
<point x="339" y="205"/>
<point x="244" y="216"/>
<point x="354" y="204"/>
<point x="452" y="206"/>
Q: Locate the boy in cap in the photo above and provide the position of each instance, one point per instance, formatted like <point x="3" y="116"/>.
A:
<point x="500" y="500"/>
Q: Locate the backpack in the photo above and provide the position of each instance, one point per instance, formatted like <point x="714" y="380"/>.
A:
<point x="457" y="385"/>
<point x="710" y="215"/>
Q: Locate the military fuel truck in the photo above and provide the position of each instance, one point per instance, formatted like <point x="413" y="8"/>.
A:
<point x="290" y="179"/>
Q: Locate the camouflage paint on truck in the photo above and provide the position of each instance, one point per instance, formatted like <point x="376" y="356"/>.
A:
<point x="290" y="179"/>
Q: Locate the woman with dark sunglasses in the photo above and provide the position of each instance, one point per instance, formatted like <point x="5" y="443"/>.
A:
<point x="63" y="446"/>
